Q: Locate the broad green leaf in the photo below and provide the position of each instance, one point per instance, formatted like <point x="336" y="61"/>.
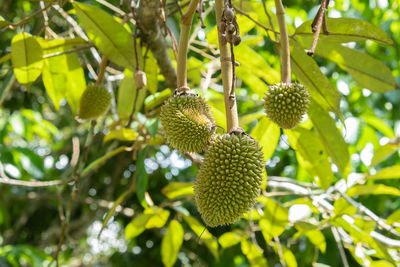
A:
<point x="61" y="44"/>
<point x="394" y="217"/>
<point x="331" y="138"/>
<point x="381" y="263"/>
<point x="254" y="254"/>
<point x="287" y="255"/>
<point x="309" y="74"/>
<point x="156" y="100"/>
<point x="229" y="239"/>
<point x="383" y="152"/>
<point x="109" y="36"/>
<point x="246" y="119"/>
<point x="312" y="233"/>
<point x="392" y="172"/>
<point x="274" y="220"/>
<point x="151" y="70"/>
<point x="366" y="226"/>
<point x="342" y="206"/>
<point x="178" y="189"/>
<point x="63" y="77"/>
<point x="367" y="71"/>
<point x="202" y="232"/>
<point x="302" y="201"/>
<point x="375" y="189"/>
<point x="123" y="134"/>
<point x="219" y="114"/>
<point x="141" y="178"/>
<point x="171" y="243"/>
<point x="368" y="135"/>
<point x="311" y="155"/>
<point x="136" y="226"/>
<point x="258" y="66"/>
<point x="159" y="218"/>
<point x="102" y="159"/>
<point x="194" y="68"/>
<point x="267" y="133"/>
<point x="344" y="30"/>
<point x="26" y="58"/>
<point x="127" y="92"/>
<point x="379" y="125"/>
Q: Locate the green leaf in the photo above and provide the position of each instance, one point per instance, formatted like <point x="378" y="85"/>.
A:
<point x="312" y="233"/>
<point x="394" y="217"/>
<point x="63" y="77"/>
<point x="61" y="44"/>
<point x="258" y="66"/>
<point x="141" y="178"/>
<point x="109" y="36"/>
<point x="26" y="58"/>
<point x="136" y="226"/>
<point x="366" y="226"/>
<point x="381" y="263"/>
<point x="287" y="255"/>
<point x="156" y="100"/>
<point x="267" y="133"/>
<point x="254" y="254"/>
<point x="274" y="220"/>
<point x="392" y="172"/>
<point x="342" y="206"/>
<point x="123" y="134"/>
<point x="229" y="239"/>
<point x="383" y="152"/>
<point x="178" y="189"/>
<point x="309" y="74"/>
<point x="202" y="232"/>
<point x="311" y="155"/>
<point x="159" y="218"/>
<point x="171" y="243"/>
<point x="331" y="138"/>
<point x="367" y="71"/>
<point x="344" y="30"/>
<point x="151" y="70"/>
<point x="127" y="92"/>
<point x="375" y="189"/>
<point x="379" y="125"/>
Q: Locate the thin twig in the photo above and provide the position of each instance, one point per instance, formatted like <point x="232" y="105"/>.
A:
<point x="28" y="18"/>
<point x="102" y="70"/>
<point x="338" y="240"/>
<point x="280" y="252"/>
<point x="59" y="53"/>
<point x="316" y="26"/>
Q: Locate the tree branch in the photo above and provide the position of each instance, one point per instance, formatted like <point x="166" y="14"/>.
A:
<point x="146" y="14"/>
<point x="232" y="120"/>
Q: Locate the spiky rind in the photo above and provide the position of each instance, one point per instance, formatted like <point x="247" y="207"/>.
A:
<point x="229" y="180"/>
<point x="95" y="101"/>
<point x="286" y="104"/>
<point x="188" y="122"/>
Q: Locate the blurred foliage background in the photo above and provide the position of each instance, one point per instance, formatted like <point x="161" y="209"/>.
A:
<point x="133" y="205"/>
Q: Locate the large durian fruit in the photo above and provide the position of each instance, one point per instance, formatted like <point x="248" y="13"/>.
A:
<point x="286" y="104"/>
<point x="188" y="122"/>
<point x="229" y="180"/>
<point x="95" y="101"/>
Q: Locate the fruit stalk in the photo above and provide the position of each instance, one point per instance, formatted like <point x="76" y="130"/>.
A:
<point x="232" y="119"/>
<point x="186" y="24"/>
<point x="284" y="41"/>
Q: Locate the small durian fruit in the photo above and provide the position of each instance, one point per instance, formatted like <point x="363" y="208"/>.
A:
<point x="188" y="122"/>
<point x="285" y="104"/>
<point x="95" y="101"/>
<point x="229" y="180"/>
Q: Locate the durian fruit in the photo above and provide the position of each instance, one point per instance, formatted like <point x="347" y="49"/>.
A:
<point x="285" y="104"/>
<point x="229" y="180"/>
<point x="95" y="101"/>
<point x="188" y="122"/>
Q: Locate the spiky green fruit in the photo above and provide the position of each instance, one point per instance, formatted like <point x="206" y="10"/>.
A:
<point x="95" y="101"/>
<point x="188" y="122"/>
<point x="229" y="180"/>
<point x="285" y="104"/>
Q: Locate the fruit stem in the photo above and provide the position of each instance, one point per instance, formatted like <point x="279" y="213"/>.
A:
<point x="232" y="120"/>
<point x="186" y="24"/>
<point x="285" y="48"/>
